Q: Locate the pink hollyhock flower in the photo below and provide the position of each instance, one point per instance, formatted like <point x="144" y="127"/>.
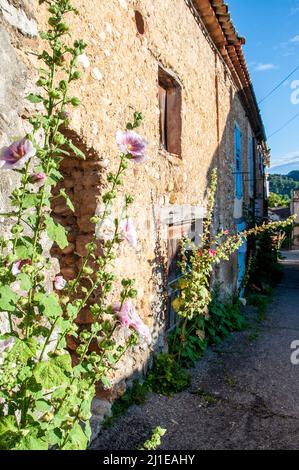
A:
<point x="226" y="232"/>
<point x="199" y="253"/>
<point x="38" y="178"/>
<point x="129" y="318"/>
<point x="17" y="266"/>
<point x="59" y="283"/>
<point x="129" y="232"/>
<point x="132" y="143"/>
<point x="16" y="155"/>
<point x="212" y="253"/>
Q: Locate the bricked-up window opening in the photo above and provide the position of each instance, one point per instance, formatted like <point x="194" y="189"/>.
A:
<point x="170" y="103"/>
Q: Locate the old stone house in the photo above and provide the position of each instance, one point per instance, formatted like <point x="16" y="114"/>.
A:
<point x="181" y="63"/>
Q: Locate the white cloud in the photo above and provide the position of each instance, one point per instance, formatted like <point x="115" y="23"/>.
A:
<point x="295" y="39"/>
<point x="264" y="67"/>
<point x="291" y="157"/>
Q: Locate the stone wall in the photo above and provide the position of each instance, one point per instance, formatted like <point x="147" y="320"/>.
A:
<point x="119" y="76"/>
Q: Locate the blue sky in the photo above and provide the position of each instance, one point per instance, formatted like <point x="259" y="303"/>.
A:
<point x="271" y="28"/>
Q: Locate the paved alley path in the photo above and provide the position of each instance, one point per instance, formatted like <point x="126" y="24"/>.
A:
<point x="251" y="390"/>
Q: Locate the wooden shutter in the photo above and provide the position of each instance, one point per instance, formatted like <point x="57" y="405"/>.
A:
<point x="162" y="106"/>
<point x="174" y="120"/>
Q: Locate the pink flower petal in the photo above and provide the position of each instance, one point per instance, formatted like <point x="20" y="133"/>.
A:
<point x="38" y="178"/>
<point x="129" y="318"/>
<point x="130" y="142"/>
<point x="17" y="154"/>
<point x="130" y="232"/>
<point x="59" y="283"/>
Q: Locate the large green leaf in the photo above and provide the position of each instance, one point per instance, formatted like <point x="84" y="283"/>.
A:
<point x="30" y="200"/>
<point x="24" y="248"/>
<point x="32" y="442"/>
<point x="64" y="362"/>
<point x="49" y="375"/>
<point x="49" y="304"/>
<point x="25" y="280"/>
<point x="8" y="299"/>
<point x="24" y="349"/>
<point x="56" y="233"/>
<point x="8" y="432"/>
<point x="77" y="440"/>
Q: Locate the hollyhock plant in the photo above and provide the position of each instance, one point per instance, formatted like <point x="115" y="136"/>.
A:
<point x="129" y="318"/>
<point x="132" y="143"/>
<point x="212" y="253"/>
<point x="16" y="155"/>
<point x="129" y="232"/>
<point x="17" y="266"/>
<point x="59" y="283"/>
<point x="38" y="178"/>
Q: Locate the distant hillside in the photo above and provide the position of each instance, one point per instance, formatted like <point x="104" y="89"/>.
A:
<point x="284" y="185"/>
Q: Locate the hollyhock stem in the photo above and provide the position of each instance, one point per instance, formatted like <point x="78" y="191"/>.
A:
<point x="20" y="211"/>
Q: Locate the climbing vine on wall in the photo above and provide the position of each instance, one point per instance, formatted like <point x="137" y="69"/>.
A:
<point x="45" y="400"/>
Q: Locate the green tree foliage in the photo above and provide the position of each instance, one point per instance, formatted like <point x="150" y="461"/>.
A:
<point x="276" y="200"/>
<point x="283" y="185"/>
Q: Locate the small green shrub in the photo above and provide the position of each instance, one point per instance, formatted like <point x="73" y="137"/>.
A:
<point x="155" y="441"/>
<point x="168" y="376"/>
<point x="135" y="395"/>
<point x="225" y="317"/>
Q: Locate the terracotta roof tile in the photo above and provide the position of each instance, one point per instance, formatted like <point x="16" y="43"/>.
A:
<point x="217" y="20"/>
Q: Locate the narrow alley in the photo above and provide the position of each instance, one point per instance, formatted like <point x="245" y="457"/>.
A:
<point x="243" y="393"/>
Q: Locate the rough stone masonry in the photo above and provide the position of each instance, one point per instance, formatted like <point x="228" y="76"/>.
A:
<point x="128" y="43"/>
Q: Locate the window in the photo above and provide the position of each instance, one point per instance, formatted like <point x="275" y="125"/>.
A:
<point x="238" y="163"/>
<point x="170" y="103"/>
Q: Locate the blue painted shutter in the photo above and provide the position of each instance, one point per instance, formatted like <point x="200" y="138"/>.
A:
<point x="241" y="259"/>
<point x="238" y="163"/>
<point x="251" y="168"/>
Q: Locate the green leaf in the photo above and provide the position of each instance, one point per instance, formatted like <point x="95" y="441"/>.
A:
<point x="8" y="299"/>
<point x="63" y="362"/>
<point x="67" y="200"/>
<point x="73" y="311"/>
<point x="30" y="200"/>
<point x="25" y="281"/>
<point x="77" y="440"/>
<point x="24" y="349"/>
<point x="76" y="150"/>
<point x="49" y="304"/>
<point x="8" y="432"/>
<point x="34" y="98"/>
<point x="56" y="233"/>
<point x="24" y="248"/>
<point x="49" y="375"/>
<point x="54" y="436"/>
<point x="32" y="442"/>
<point x="42" y="406"/>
